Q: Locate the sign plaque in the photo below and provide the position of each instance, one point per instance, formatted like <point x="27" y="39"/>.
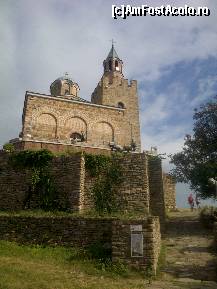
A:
<point x="136" y="241"/>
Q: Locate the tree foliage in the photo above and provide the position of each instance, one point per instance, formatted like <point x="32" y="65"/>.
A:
<point x="8" y="147"/>
<point x="197" y="162"/>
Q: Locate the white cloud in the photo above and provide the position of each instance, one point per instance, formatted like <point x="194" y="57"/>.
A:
<point x="206" y="89"/>
<point x="154" y="112"/>
<point x="40" y="40"/>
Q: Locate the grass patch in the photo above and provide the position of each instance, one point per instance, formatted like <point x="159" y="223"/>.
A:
<point x="88" y="214"/>
<point x="37" y="267"/>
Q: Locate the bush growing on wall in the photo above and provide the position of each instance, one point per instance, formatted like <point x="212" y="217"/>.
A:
<point x="37" y="162"/>
<point x="108" y="174"/>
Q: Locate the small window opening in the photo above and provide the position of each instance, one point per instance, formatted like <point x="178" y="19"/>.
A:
<point x="77" y="137"/>
<point x="121" y="105"/>
<point x="110" y="65"/>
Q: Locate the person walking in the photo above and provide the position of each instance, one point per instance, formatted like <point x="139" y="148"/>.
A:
<point x="191" y="202"/>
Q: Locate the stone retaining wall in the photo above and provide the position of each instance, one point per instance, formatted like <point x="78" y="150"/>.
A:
<point x="169" y="192"/>
<point x="157" y="198"/>
<point x="63" y="231"/>
<point x="141" y="190"/>
<point x="14" y="185"/>
<point x="82" y="232"/>
<point x="121" y="242"/>
<point x="132" y="194"/>
<point x="68" y="175"/>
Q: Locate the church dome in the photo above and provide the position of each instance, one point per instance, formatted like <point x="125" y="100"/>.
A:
<point x="64" y="86"/>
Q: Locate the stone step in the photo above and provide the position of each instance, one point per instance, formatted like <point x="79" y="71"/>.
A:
<point x="189" y="255"/>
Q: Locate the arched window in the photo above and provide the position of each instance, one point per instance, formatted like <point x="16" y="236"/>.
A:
<point x="116" y="63"/>
<point x="66" y="92"/>
<point x="76" y="128"/>
<point x="121" y="105"/>
<point x="77" y="137"/>
<point x="110" y="65"/>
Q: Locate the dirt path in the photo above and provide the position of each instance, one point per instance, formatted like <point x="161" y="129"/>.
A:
<point x="190" y="260"/>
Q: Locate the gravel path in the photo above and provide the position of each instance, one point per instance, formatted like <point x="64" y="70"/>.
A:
<point x="190" y="259"/>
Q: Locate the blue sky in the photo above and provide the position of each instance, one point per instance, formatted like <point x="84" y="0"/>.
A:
<point x="174" y="60"/>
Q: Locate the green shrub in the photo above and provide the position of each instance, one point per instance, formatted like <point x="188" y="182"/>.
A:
<point x="108" y="175"/>
<point x="117" y="267"/>
<point x="99" y="251"/>
<point x="42" y="183"/>
<point x="8" y="147"/>
<point x="208" y="216"/>
<point x="101" y="257"/>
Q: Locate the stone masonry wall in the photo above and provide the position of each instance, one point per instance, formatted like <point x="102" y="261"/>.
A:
<point x="169" y="185"/>
<point x="114" y="89"/>
<point x="14" y="185"/>
<point x="74" y="184"/>
<point x="53" y="119"/>
<point x="141" y="189"/>
<point x="132" y="194"/>
<point x="157" y="202"/>
<point x="82" y="232"/>
<point x="63" y="231"/>
<point x="121" y="243"/>
<point x="68" y="175"/>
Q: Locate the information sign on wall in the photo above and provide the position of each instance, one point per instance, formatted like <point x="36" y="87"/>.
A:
<point x="136" y="241"/>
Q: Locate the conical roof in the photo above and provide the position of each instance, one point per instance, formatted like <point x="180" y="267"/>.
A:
<point x="112" y="53"/>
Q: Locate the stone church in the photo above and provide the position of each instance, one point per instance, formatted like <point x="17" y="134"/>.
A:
<point x="63" y="119"/>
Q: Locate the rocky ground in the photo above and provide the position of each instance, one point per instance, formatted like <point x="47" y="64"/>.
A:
<point x="190" y="255"/>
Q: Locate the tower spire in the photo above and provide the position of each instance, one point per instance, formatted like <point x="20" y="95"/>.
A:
<point x="112" y="53"/>
<point x="112" y="63"/>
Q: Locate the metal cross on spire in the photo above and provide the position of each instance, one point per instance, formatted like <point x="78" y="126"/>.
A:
<point x="113" y="42"/>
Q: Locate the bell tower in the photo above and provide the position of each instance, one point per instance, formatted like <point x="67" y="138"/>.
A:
<point x="113" y="64"/>
<point x="116" y="91"/>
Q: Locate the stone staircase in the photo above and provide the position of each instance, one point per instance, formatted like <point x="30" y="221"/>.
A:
<point x="189" y="252"/>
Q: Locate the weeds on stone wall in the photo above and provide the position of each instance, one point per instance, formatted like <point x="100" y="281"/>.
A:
<point x="108" y="175"/>
<point x="37" y="162"/>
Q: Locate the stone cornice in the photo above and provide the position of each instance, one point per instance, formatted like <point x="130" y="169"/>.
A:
<point x="30" y="93"/>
